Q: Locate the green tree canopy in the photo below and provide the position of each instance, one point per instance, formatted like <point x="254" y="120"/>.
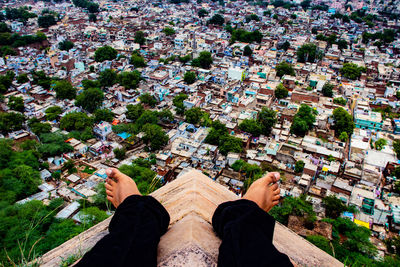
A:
<point x="64" y="90"/>
<point x="267" y="119"/>
<point x="189" y="77"/>
<point x="284" y="68"/>
<point x="129" y="80"/>
<point x="155" y="136"/>
<point x="65" y="45"/>
<point x="343" y="122"/>
<point x="203" y="61"/>
<point x="134" y="112"/>
<point x="327" y="89"/>
<point x="46" y="21"/>
<point x="53" y="112"/>
<point x="299" y="166"/>
<point x="202" y="13"/>
<point x="308" y="53"/>
<point x="138" y="61"/>
<point x="247" y="51"/>
<point x="281" y="92"/>
<point x="90" y="99"/>
<point x="352" y="71"/>
<point x="217" y="19"/>
<point x="178" y="103"/>
<point x="168" y="31"/>
<point x="193" y="115"/>
<point x="11" y="121"/>
<point x="103" y="115"/>
<point x="16" y="103"/>
<point x="139" y="38"/>
<point x="107" y="78"/>
<point x="75" y="121"/>
<point x="148" y="99"/>
<point x="303" y="120"/>
<point x="105" y="53"/>
<point x="251" y="126"/>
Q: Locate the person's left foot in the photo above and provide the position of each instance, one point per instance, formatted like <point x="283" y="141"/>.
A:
<point x="119" y="186"/>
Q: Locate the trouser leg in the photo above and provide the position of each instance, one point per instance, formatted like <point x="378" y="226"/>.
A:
<point x="134" y="234"/>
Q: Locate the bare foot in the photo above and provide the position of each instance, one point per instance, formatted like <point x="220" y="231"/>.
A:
<point x="119" y="186"/>
<point x="265" y="191"/>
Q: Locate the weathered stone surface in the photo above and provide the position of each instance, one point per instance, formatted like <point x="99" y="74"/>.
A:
<point x="190" y="241"/>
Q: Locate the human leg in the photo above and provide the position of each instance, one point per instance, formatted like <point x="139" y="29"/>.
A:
<point x="246" y="229"/>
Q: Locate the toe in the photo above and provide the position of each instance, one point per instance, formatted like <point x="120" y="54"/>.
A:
<point x="274" y="186"/>
<point x="108" y="187"/>
<point x="110" y="181"/>
<point x="277" y="191"/>
<point x="269" y="178"/>
<point x="276" y="197"/>
<point x="275" y="202"/>
<point x="110" y="198"/>
<point x="109" y="193"/>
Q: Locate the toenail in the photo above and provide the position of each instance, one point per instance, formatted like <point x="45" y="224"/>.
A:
<point x="108" y="172"/>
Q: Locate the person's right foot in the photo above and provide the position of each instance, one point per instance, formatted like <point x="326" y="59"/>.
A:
<point x="265" y="191"/>
<point x="119" y="186"/>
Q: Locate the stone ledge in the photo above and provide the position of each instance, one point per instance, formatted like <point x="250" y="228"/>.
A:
<point x="190" y="241"/>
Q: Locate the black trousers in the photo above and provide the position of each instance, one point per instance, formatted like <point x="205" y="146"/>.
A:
<point x="246" y="232"/>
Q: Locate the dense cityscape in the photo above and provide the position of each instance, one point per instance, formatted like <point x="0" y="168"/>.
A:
<point x="235" y="89"/>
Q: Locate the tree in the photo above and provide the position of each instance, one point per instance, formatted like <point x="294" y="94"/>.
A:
<point x="46" y="21"/>
<point x="327" y="89"/>
<point x="52" y="113"/>
<point x="230" y="143"/>
<point x="53" y="144"/>
<point x="340" y="101"/>
<point x="119" y="153"/>
<point x="284" y="68"/>
<point x="11" y="121"/>
<point x="380" y="143"/>
<point x="285" y="46"/>
<point x="103" y="115"/>
<point x="134" y="112"/>
<point x="303" y="120"/>
<point x="105" y="53"/>
<point x="343" y="137"/>
<point x="93" y="7"/>
<point x="168" y="31"/>
<point x="138" y="61"/>
<point x="297" y="206"/>
<point x="203" y="61"/>
<point x="90" y="99"/>
<point x="75" y="121"/>
<point x="305" y="4"/>
<point x="185" y="59"/>
<point x="139" y="38"/>
<point x="193" y="115"/>
<point x="251" y="126"/>
<point x="342" y="44"/>
<point x="148" y="99"/>
<point x="16" y="103"/>
<point x="148" y="117"/>
<point x="107" y="78"/>
<point x="165" y="115"/>
<point x="4" y="27"/>
<point x="247" y="51"/>
<point x="267" y="119"/>
<point x="299" y="166"/>
<point x="65" y="45"/>
<point x="154" y="135"/>
<point x="307" y="53"/>
<point x="129" y="80"/>
<point x="202" y="13"/>
<point x="333" y="206"/>
<point x="92" y="17"/>
<point x="64" y="90"/>
<point x="342" y="122"/>
<point x="22" y="78"/>
<point x="217" y="19"/>
<point x="321" y="242"/>
<point x="189" y="77"/>
<point x="178" y="103"/>
<point x="352" y="71"/>
<point x="246" y="36"/>
<point x="281" y="92"/>
<point x="396" y="148"/>
<point x="40" y="78"/>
